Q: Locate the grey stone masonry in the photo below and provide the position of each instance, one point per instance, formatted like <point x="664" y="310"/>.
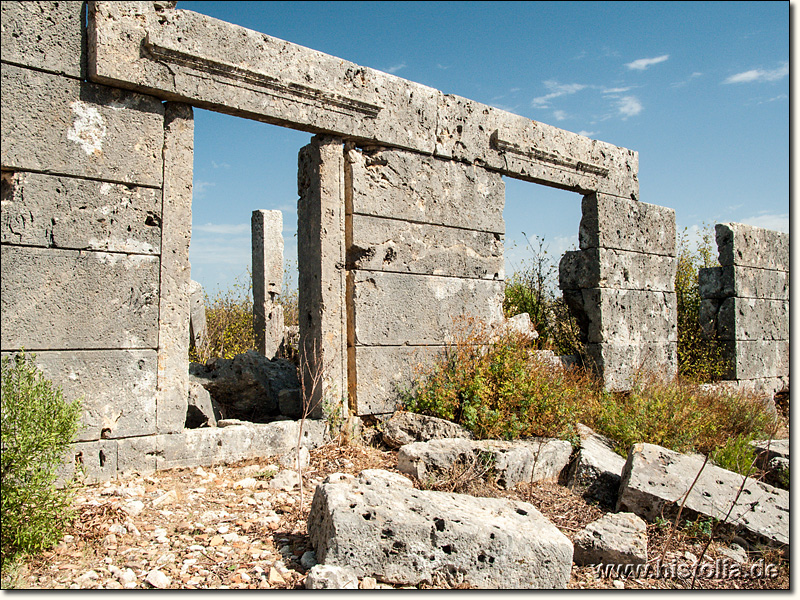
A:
<point x="266" y="228"/>
<point x="620" y="286"/>
<point x="745" y="304"/>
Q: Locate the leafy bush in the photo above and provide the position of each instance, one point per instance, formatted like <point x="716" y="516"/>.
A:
<point x="699" y="353"/>
<point x="37" y="427"/>
<point x="736" y="454"/>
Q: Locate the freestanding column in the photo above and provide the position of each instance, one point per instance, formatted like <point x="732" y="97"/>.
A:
<point x="267" y="238"/>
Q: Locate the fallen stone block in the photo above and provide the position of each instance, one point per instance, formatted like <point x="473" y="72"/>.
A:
<point x="613" y="539"/>
<point x="407" y="427"/>
<point x="772" y="448"/>
<point x="510" y="462"/>
<point x="382" y="527"/>
<point x="597" y="470"/>
<point x="200" y="410"/>
<point x="330" y="577"/>
<point x="655" y="480"/>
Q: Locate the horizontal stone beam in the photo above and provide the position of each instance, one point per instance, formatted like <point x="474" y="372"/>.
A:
<point x="67" y="299"/>
<point x="81" y="214"/>
<point x="753" y="319"/>
<point x="617" y="269"/>
<point x="748" y="246"/>
<point x="188" y="57"/>
<point x="108" y="134"/>
<point x="756" y="359"/>
<point x="744" y="282"/>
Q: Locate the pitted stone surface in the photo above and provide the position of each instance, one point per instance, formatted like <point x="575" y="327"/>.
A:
<point x="620" y="363"/>
<point x="65" y="212"/>
<point x="757" y="359"/>
<point x="617" y="269"/>
<point x="748" y="246"/>
<point x="743" y="282"/>
<point x="267" y="253"/>
<point x="613" y="539"/>
<point x="407" y="427"/>
<point x="398" y="534"/>
<point x="597" y="469"/>
<point x="197" y="315"/>
<point x="753" y="319"/>
<point x="511" y="462"/>
<point x="655" y="480"/>
<point x="330" y="577"/>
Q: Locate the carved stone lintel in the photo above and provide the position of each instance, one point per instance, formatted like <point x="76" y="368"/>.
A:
<point x="537" y="155"/>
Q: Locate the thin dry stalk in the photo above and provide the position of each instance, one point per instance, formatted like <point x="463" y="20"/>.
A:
<point x="680" y="510"/>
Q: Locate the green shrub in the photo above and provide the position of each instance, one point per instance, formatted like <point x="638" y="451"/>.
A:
<point x="37" y="427"/>
<point x="736" y="454"/>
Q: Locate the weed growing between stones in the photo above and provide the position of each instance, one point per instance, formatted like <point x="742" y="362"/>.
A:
<point x="37" y="427"/>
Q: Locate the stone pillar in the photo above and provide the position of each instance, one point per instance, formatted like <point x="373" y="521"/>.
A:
<point x="321" y="280"/>
<point x="620" y="286"/>
<point x="266" y="228"/>
<point x="746" y="302"/>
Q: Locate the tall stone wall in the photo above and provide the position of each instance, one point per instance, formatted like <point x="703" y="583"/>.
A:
<point x="620" y="286"/>
<point x="745" y="301"/>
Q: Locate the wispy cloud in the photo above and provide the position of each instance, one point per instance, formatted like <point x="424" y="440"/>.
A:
<point x="442" y="67"/>
<point x="223" y="229"/>
<point x="588" y="134"/>
<point x="645" y="63"/>
<point x="774" y="99"/>
<point x="616" y="90"/>
<point x="767" y="221"/>
<point x="629" y="106"/>
<point x="560" y="115"/>
<point x="760" y="75"/>
<point x="395" y="68"/>
<point x="691" y="77"/>
<point x="200" y="188"/>
<point x="556" y="90"/>
<point x="222" y="165"/>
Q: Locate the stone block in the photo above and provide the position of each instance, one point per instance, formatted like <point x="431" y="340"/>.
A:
<point x="423" y="189"/>
<point x="267" y="252"/>
<point x="198" y="327"/>
<point x="396" y="534"/>
<point x="408" y="427"/>
<point x="90" y="462"/>
<point x="64" y="212"/>
<point x="45" y="35"/>
<point x="755" y="359"/>
<point x="617" y="269"/>
<point x="194" y="58"/>
<point x="744" y="282"/>
<point x="138" y="455"/>
<point x="329" y="577"/>
<point x="378" y="375"/>
<point x="201" y="409"/>
<point x="597" y="469"/>
<point x="753" y="319"/>
<point x="748" y="246"/>
<point x="772" y="448"/>
<point x="655" y="480"/>
<point x="90" y="131"/>
<point x="116" y="389"/>
<point x="526" y="149"/>
<point x="175" y="281"/>
<point x="381" y="244"/>
<point x="629" y="316"/>
<point x="613" y="539"/>
<point x="619" y="364"/>
<point x="622" y="224"/>
<point x="66" y="299"/>
<point x="394" y="308"/>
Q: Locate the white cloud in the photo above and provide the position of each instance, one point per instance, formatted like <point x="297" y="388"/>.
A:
<point x="774" y="99"/>
<point x="585" y="133"/>
<point x="691" y="77"/>
<point x="222" y="165"/>
<point x="644" y="63"/>
<point x="223" y="229"/>
<point x="775" y="222"/>
<point x="629" y="106"/>
<point x="759" y="75"/>
<point x="556" y="90"/>
<point x="618" y="90"/>
<point x="395" y="68"/>
<point x="199" y="188"/>
<point x="442" y="67"/>
<point x="560" y="115"/>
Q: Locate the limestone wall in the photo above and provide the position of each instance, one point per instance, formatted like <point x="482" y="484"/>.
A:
<point x="746" y="302"/>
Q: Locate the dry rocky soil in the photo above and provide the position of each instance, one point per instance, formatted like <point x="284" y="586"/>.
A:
<point x="232" y="527"/>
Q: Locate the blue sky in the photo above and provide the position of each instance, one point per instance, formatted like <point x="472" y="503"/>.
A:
<point x="699" y="89"/>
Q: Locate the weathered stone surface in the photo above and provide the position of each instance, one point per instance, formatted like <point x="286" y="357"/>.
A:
<point x="382" y="528"/>
<point x="267" y="253"/>
<point x="116" y="389"/>
<point x="200" y="410"/>
<point x="512" y="462"/>
<point x="619" y="363"/>
<point x="744" y="282"/>
<point x="748" y="246"/>
<point x="248" y="385"/>
<point x="45" y="35"/>
<point x="656" y="479"/>
<point x="394" y="308"/>
<point x="89" y="462"/>
<point x="183" y="55"/>
<point x="48" y="299"/>
<point x="64" y="212"/>
<point x="407" y="427"/>
<point x="526" y="149"/>
<point x="290" y="402"/>
<point x="617" y="269"/>
<point x="517" y="325"/>
<point x="597" y="469"/>
<point x="330" y="577"/>
<point x="772" y="448"/>
<point x="382" y="244"/>
<point x="757" y="359"/>
<point x="198" y="328"/>
<point x="321" y="257"/>
<point x="753" y="319"/>
<point x="138" y="455"/>
<point x="621" y="224"/>
<point x="379" y="373"/>
<point x="424" y="189"/>
<point x="613" y="539"/>
<point x="175" y="282"/>
<point x="90" y="130"/>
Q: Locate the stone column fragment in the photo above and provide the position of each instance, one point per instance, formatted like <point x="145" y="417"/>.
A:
<point x="267" y="243"/>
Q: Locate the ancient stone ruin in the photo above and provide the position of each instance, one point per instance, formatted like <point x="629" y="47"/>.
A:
<point x="400" y="216"/>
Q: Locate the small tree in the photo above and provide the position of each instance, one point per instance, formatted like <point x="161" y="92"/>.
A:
<point x="37" y="427"/>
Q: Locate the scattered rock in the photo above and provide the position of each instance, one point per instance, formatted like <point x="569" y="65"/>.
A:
<point x="166" y="498"/>
<point x="201" y="410"/>
<point x="368" y="583"/>
<point x="248" y="483"/>
<point x="407" y="427"/>
<point x="382" y="527"/>
<point x="612" y="539"/>
<point x="597" y="469"/>
<point x="133" y="507"/>
<point x="289" y="460"/>
<point x="735" y="552"/>
<point x="519" y="324"/>
<point x="330" y="577"/>
<point x="157" y="579"/>
<point x="285" y="480"/>
<point x="308" y="560"/>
